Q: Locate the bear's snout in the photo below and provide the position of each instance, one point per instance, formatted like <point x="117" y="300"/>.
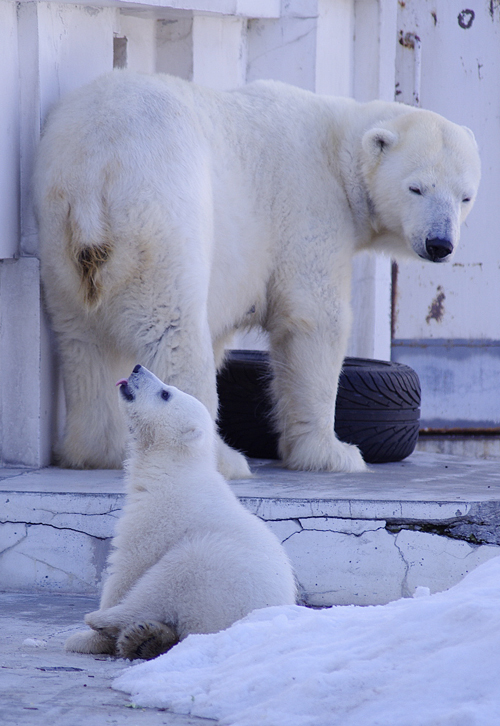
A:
<point x="141" y="380"/>
<point x="125" y="385"/>
<point x="125" y="390"/>
<point x="438" y="249"/>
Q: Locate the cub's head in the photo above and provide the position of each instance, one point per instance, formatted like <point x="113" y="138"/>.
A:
<point x="164" y="420"/>
<point x="422" y="174"/>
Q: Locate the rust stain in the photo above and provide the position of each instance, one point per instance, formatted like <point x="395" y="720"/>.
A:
<point x="408" y="40"/>
<point x="436" y="308"/>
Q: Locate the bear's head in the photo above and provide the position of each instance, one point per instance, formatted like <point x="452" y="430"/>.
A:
<point x="164" y="420"/>
<point x="422" y="174"/>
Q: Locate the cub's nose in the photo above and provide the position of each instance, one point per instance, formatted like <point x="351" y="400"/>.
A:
<point x="137" y="368"/>
<point x="438" y="249"/>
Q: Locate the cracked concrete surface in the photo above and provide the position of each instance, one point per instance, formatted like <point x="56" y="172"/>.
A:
<point x="360" y="539"/>
<point x="343" y="561"/>
<point x="42" y="685"/>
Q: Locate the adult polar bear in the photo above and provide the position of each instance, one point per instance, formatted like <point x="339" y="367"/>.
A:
<point x="171" y="215"/>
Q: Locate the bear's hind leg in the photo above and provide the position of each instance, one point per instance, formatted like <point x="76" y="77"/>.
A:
<point x="95" y="430"/>
<point x="145" y="640"/>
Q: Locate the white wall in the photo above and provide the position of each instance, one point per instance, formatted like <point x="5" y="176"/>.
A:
<point x="373" y="76"/>
<point x="53" y="48"/>
<point x="174" y="47"/>
<point x="447" y="322"/>
<point x="9" y="132"/>
<point x="141" y="41"/>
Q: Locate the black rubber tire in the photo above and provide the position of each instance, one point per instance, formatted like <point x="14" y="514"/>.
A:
<point x="378" y="407"/>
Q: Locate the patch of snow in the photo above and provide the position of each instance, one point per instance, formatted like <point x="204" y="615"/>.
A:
<point x="431" y="660"/>
<point x="35" y="642"/>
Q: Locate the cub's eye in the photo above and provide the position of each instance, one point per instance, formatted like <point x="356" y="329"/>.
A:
<point x="416" y="190"/>
<point x="465" y="200"/>
<point x="165" y="395"/>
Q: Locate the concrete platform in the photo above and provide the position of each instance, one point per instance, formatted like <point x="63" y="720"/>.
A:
<point x="41" y="685"/>
<point x="362" y="539"/>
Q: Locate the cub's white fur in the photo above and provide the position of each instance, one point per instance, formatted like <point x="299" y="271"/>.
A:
<point x="171" y="215"/>
<point x="186" y="553"/>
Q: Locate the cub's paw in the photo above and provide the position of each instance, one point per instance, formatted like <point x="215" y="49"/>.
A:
<point x="91" y="641"/>
<point x="106" y="621"/>
<point x="146" y="640"/>
<point x="312" y="452"/>
<point x="231" y="464"/>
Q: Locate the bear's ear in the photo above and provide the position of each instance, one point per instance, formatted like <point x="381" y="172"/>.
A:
<point x="376" y="141"/>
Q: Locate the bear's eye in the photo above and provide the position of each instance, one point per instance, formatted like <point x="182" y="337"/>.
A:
<point x="465" y="200"/>
<point x="416" y="190"/>
<point x="165" y="395"/>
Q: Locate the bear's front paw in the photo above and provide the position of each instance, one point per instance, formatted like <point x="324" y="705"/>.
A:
<point x="312" y="452"/>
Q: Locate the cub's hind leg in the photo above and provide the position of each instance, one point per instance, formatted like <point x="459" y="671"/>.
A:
<point x="91" y="641"/>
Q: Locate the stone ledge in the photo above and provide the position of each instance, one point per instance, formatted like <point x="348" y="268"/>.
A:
<point x="361" y="539"/>
<point x="158" y="8"/>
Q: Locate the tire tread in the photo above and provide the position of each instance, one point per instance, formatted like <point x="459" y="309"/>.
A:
<point x="377" y="408"/>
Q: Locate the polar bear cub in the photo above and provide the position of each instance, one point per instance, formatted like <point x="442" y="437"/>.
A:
<point x="187" y="557"/>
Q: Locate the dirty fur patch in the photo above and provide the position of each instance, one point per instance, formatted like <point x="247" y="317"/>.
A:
<point x="89" y="261"/>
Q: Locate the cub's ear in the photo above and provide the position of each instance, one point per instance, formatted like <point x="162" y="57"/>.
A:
<point x="376" y="141"/>
<point x="192" y="434"/>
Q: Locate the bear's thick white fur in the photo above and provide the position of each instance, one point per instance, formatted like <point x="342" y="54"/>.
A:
<point x="171" y="215"/>
<point x="186" y="553"/>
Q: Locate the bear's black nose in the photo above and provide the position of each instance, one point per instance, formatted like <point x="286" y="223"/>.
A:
<point x="137" y="368"/>
<point x="438" y="248"/>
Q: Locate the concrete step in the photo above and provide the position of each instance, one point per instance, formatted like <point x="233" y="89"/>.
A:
<point x="353" y="539"/>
